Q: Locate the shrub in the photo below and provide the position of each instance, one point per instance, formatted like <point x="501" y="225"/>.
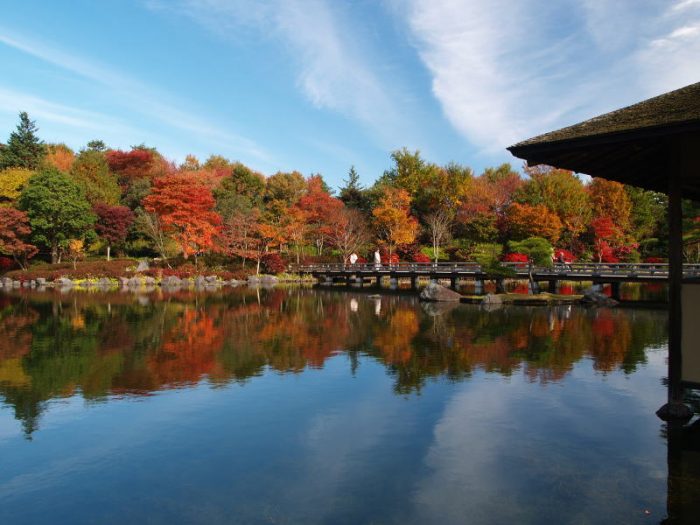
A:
<point x="568" y="256"/>
<point x="88" y="269"/>
<point x="654" y="260"/>
<point x="515" y="257"/>
<point x="6" y="264"/>
<point x="421" y="258"/>
<point x="407" y="252"/>
<point x="272" y="263"/>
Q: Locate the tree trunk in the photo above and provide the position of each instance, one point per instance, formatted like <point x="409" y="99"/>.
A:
<point x="54" y="253"/>
<point x="109" y="249"/>
<point x="257" y="269"/>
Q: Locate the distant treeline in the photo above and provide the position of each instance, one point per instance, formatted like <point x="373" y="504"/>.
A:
<point x="59" y="203"/>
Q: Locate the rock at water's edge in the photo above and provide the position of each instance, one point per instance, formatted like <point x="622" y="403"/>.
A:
<point x="437" y="292"/>
<point x="593" y="297"/>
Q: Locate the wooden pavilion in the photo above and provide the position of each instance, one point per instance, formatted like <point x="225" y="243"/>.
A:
<point x="654" y="145"/>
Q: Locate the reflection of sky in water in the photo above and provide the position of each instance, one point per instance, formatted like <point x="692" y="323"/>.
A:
<point x="337" y="444"/>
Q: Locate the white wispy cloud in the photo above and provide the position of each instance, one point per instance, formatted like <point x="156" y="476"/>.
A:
<point x="334" y="69"/>
<point x="505" y="70"/>
<point x="138" y="97"/>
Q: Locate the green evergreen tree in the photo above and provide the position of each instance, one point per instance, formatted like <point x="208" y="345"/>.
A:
<point x="353" y="194"/>
<point x="24" y="149"/>
<point x="57" y="210"/>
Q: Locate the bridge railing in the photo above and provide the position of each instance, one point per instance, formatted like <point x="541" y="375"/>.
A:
<point x="574" y="268"/>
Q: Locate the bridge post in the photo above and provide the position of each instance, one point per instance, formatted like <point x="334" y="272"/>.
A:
<point x="453" y="282"/>
<point x="478" y="286"/>
<point x="393" y="283"/>
<point x="414" y="279"/>
<point x="615" y="289"/>
<point x="554" y="286"/>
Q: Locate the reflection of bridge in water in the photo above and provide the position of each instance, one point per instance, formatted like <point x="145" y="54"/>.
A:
<point x="597" y="273"/>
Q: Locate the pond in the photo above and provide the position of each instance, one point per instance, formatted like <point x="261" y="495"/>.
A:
<point x="310" y="406"/>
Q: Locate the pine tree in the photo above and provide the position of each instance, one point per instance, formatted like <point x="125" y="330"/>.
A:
<point x="24" y="149"/>
<point x="353" y="194"/>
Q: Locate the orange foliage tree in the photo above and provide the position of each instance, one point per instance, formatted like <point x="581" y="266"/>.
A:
<point x="610" y="199"/>
<point x="523" y="220"/>
<point x="393" y="221"/>
<point x="185" y="207"/>
<point x="60" y="157"/>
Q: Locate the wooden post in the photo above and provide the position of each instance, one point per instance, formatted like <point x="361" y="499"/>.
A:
<point x="675" y="409"/>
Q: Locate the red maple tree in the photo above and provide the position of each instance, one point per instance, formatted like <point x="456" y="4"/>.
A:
<point x="113" y="224"/>
<point x="185" y="207"/>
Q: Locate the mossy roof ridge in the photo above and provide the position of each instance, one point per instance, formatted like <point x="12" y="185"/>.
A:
<point x="675" y="108"/>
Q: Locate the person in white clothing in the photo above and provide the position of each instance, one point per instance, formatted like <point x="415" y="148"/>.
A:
<point x="353" y="258"/>
<point x="377" y="259"/>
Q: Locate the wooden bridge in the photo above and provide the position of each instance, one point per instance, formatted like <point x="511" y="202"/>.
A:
<point x="597" y="273"/>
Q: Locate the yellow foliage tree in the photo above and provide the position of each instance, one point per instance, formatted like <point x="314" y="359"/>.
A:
<point x="12" y="181"/>
<point x="393" y="221"/>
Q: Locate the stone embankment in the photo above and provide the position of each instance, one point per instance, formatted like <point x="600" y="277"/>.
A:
<point x="137" y="282"/>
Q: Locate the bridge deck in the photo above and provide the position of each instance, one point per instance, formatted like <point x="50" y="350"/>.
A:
<point x="595" y="272"/>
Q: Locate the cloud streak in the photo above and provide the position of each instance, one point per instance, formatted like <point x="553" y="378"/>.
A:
<point x="504" y="71"/>
<point x="137" y="96"/>
<point x="334" y="69"/>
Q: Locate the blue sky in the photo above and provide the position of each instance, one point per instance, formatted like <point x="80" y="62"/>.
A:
<point x="318" y="85"/>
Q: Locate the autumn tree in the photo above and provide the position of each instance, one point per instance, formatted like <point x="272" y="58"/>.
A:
<point x="563" y="193"/>
<point x="238" y="234"/>
<point x="607" y="236"/>
<point x="23" y="149"/>
<point x="408" y="172"/>
<point x="57" y="210"/>
<point x="296" y="225"/>
<point x="349" y="232"/>
<point x="60" y="157"/>
<point x="113" y="223"/>
<point x="129" y="165"/>
<point x="14" y="232"/>
<point x="439" y="226"/>
<point x="523" y="221"/>
<point x="443" y="189"/>
<point x="485" y="201"/>
<point x="610" y="199"/>
<point x="186" y="209"/>
<point x="12" y="181"/>
<point x="191" y="163"/>
<point x="319" y="208"/>
<point x="91" y="172"/>
<point x="392" y="219"/>
<point x="76" y="251"/>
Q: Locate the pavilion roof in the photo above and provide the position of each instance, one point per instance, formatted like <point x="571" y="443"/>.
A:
<point x="632" y="145"/>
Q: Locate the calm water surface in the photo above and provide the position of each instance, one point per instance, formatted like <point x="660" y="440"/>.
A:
<point x="307" y="406"/>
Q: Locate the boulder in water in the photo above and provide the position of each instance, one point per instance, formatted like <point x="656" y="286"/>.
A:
<point x="439" y="293"/>
<point x="595" y="298"/>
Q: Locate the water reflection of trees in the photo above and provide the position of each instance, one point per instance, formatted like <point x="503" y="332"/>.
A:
<point x="103" y="345"/>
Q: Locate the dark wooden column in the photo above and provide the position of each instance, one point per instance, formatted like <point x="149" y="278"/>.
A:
<point x="675" y="280"/>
